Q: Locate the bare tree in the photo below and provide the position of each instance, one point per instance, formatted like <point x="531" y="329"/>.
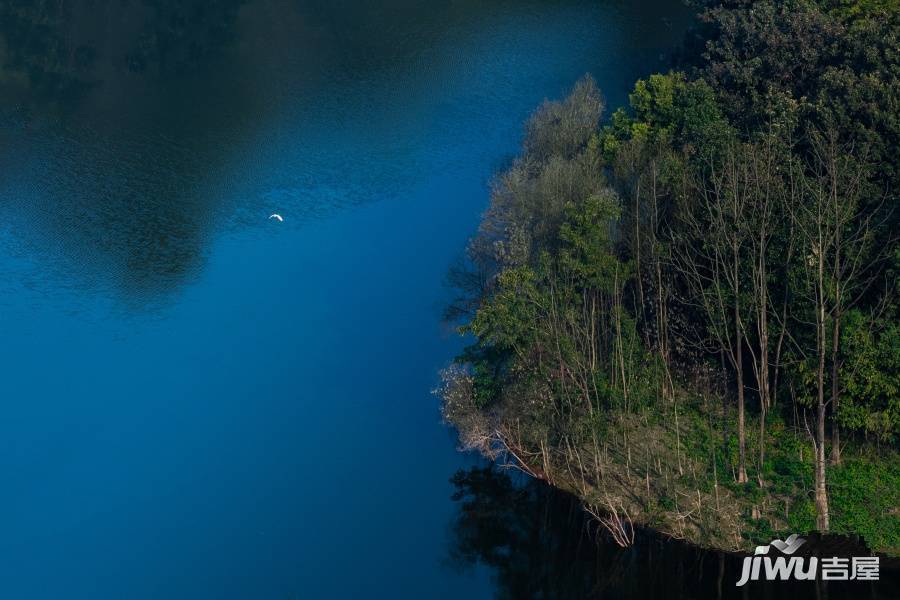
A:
<point x="839" y="186"/>
<point x="832" y="193"/>
<point x="709" y="257"/>
<point x="764" y="170"/>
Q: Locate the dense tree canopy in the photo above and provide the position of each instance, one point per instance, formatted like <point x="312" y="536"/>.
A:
<point x="687" y="312"/>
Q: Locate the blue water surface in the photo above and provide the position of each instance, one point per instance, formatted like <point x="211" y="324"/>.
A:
<point x="201" y="402"/>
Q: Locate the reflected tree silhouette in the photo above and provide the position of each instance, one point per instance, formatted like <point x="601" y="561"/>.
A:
<point x="94" y="101"/>
<point x="59" y="48"/>
<point x="182" y="34"/>
<point x="539" y="543"/>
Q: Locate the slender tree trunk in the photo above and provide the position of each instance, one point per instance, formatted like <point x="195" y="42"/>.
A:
<point x="739" y="370"/>
<point x="637" y="261"/>
<point x="835" y="388"/>
<point x="776" y="369"/>
<point x="821" y="491"/>
<point x="762" y="441"/>
<point x="724" y="406"/>
<point x="662" y="325"/>
<point x="763" y="328"/>
<point x="836" y="315"/>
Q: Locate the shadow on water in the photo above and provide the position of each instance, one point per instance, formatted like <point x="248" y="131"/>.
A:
<point x="100" y="169"/>
<point x="539" y="543"/>
<point x="55" y="51"/>
<point x="127" y="128"/>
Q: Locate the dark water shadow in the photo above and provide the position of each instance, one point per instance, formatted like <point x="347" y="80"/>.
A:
<point x="539" y="543"/>
<point x="102" y="150"/>
<point x="127" y="128"/>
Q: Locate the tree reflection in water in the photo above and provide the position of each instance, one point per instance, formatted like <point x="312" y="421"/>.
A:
<point x="539" y="543"/>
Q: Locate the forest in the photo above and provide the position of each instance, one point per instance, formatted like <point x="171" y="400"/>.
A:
<point x="684" y="310"/>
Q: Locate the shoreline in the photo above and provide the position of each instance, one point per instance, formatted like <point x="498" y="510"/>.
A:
<point x="659" y="564"/>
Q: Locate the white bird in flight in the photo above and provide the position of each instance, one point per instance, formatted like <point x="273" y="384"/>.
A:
<point x="276" y="216"/>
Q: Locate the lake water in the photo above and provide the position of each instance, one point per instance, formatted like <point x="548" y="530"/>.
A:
<point x="200" y="402"/>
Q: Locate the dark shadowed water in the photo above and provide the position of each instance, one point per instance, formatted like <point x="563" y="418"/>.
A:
<point x="200" y="402"/>
<point x="540" y="543"/>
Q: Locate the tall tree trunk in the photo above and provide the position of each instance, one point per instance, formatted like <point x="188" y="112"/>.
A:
<point x="835" y="388"/>
<point x="739" y="370"/>
<point x="762" y="441"/>
<point x="724" y="407"/>
<point x="836" y="315"/>
<point x="637" y="262"/>
<point x="821" y="491"/>
<point x="763" y="328"/>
